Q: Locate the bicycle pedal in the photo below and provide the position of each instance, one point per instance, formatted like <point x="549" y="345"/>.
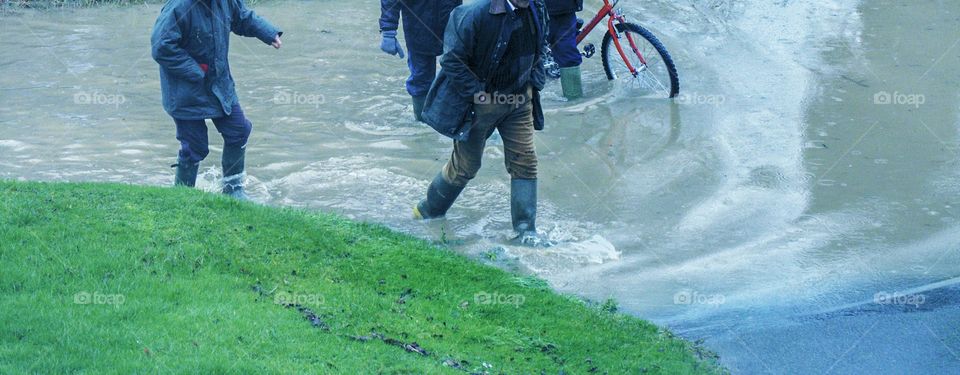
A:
<point x="589" y="50"/>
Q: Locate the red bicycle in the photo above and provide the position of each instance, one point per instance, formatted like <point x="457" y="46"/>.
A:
<point x="628" y="51"/>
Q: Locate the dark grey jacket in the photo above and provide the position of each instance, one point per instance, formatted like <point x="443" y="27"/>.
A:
<point x="193" y="32"/>
<point x="474" y="44"/>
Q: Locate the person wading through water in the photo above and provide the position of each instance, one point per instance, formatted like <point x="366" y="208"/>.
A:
<point x="190" y="41"/>
<point x="563" y="42"/>
<point x="490" y="80"/>
<point x="423" y="24"/>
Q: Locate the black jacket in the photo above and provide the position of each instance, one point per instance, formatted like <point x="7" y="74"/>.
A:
<point x="557" y="7"/>
<point x="474" y="43"/>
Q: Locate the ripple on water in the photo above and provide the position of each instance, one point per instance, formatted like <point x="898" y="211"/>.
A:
<point x="564" y="256"/>
<point x="365" y="187"/>
<point x="13" y="145"/>
<point x="403" y="129"/>
<point x="374" y="192"/>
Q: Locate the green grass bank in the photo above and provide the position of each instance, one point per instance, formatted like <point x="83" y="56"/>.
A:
<point x="98" y="278"/>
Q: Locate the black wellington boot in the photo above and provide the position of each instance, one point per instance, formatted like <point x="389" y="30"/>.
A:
<point x="523" y="210"/>
<point x="440" y="196"/>
<point x="186" y="174"/>
<point x="233" y="166"/>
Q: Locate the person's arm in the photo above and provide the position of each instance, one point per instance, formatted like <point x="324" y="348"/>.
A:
<point x="389" y="15"/>
<point x="459" y="41"/>
<point x="539" y="74"/>
<point x="389" y="23"/>
<point x="166" y="48"/>
<point x="249" y="24"/>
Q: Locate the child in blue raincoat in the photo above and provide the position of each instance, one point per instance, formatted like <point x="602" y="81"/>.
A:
<point x="190" y="41"/>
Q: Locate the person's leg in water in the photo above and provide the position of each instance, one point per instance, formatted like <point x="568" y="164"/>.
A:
<point x="423" y="70"/>
<point x="520" y="157"/>
<point x="194" y="147"/>
<point x="563" y="43"/>
<point x="235" y="130"/>
<point x="464" y="163"/>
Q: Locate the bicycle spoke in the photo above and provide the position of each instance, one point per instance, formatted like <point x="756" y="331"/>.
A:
<point x="653" y="79"/>
<point x="646" y="77"/>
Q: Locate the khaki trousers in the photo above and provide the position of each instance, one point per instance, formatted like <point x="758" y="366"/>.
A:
<point x="514" y="122"/>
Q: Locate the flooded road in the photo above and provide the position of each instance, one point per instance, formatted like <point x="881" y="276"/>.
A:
<point x="796" y="208"/>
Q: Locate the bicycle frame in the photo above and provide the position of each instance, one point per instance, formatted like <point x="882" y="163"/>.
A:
<point x="608" y="12"/>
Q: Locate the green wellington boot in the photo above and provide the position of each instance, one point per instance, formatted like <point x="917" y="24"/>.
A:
<point x="418" y="102"/>
<point x="186" y="174"/>
<point x="571" y="82"/>
<point x="234" y="158"/>
<point x="440" y="196"/>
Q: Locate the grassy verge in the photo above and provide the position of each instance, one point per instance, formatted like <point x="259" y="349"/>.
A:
<point x="123" y="279"/>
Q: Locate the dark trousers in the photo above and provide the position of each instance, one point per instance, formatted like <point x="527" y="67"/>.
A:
<point x="563" y="40"/>
<point x="515" y="124"/>
<point x="423" y="70"/>
<point x="192" y="134"/>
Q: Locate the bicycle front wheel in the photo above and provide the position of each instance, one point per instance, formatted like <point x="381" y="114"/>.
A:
<point x="654" y="70"/>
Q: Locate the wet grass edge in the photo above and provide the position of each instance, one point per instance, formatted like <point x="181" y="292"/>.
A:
<point x="212" y="285"/>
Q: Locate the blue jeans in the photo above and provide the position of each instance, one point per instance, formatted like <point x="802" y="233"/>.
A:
<point x="563" y="40"/>
<point x="423" y="70"/>
<point x="192" y="134"/>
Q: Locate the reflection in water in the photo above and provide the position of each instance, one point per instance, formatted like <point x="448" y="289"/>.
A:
<point x="755" y="212"/>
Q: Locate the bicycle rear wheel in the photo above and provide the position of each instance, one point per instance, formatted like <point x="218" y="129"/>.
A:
<point x="656" y="73"/>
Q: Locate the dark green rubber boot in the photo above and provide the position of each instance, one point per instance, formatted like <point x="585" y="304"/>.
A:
<point x="234" y="158"/>
<point x="186" y="174"/>
<point x="440" y="196"/>
<point x="418" y="102"/>
<point x="523" y="210"/>
<point x="571" y="82"/>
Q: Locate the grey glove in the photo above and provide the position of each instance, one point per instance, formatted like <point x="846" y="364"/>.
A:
<point x="390" y="45"/>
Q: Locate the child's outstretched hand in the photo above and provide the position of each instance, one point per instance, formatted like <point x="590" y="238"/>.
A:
<point x="276" y="42"/>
